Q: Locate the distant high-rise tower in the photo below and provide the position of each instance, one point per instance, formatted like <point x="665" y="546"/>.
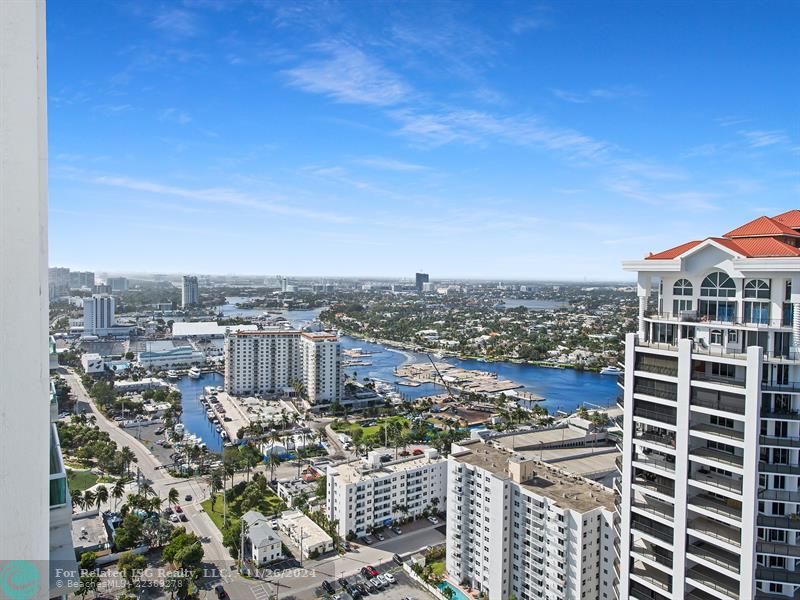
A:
<point x="98" y="314"/>
<point x="421" y="278"/>
<point x="118" y="284"/>
<point x="191" y="291"/>
<point x="59" y="279"/>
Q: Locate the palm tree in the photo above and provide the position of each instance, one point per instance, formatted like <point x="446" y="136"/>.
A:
<point x="118" y="490"/>
<point x="101" y="495"/>
<point x="88" y="498"/>
<point x="128" y="457"/>
<point x="77" y="499"/>
<point x="172" y="497"/>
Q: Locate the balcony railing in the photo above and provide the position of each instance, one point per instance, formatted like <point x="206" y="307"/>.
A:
<point x="695" y="318"/>
<point x="721" y="405"/>
<point x="652" y="576"/>
<point x="765" y="467"/>
<point x="656" y="507"/>
<point x="649" y="554"/>
<point x="710" y="553"/>
<point x="720" y="481"/>
<point x="724" y="432"/>
<point x="716" y="530"/>
<point x="789" y="550"/>
<point x="655" y="415"/>
<point x="776" y="522"/>
<point x="652" y="528"/>
<point x="640" y="592"/>
<point x="655" y="486"/>
<point x="725" y="458"/>
<point x="777" y="575"/>
<point x="657" y="391"/>
<point x="714" y="580"/>
<point x="667" y="441"/>
<point x="786" y="442"/>
<point x="715" y="505"/>
<point x="732" y="381"/>
<point x="654" y="463"/>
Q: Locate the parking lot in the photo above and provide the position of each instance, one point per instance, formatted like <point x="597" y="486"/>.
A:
<point x="404" y="586"/>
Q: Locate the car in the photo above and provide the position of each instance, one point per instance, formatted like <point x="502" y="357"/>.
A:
<point x="397" y="530"/>
<point x="188" y="497"/>
<point x="367" y="540"/>
<point x="168" y="511"/>
<point x="361" y="589"/>
<point x="174" y="518"/>
<point x="398" y="559"/>
<point x="380" y="536"/>
<point x="379" y="581"/>
<point x="389" y="577"/>
<point x="178" y="509"/>
<point x="343" y="583"/>
<point x="385" y="458"/>
<point x="326" y="585"/>
<point x="220" y="591"/>
<point x="417" y="452"/>
<point x="433" y="520"/>
<point x="184" y="518"/>
<point x="372" y="570"/>
<point x="355" y="593"/>
<point x="347" y="547"/>
<point x="274" y="523"/>
<point x="118" y="419"/>
<point x="368" y="586"/>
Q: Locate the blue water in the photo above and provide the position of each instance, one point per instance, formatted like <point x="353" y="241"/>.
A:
<point x="563" y="389"/>
<point x="457" y="593"/>
<point x="194" y="414"/>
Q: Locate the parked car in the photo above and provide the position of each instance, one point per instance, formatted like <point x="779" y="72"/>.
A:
<point x="372" y="571"/>
<point x="178" y="509"/>
<point x="343" y="583"/>
<point x="188" y="497"/>
<point x="174" y="518"/>
<point x="397" y="530"/>
<point x="220" y="591"/>
<point x="326" y="585"/>
<point x="184" y="518"/>
<point x="380" y="536"/>
<point x="433" y="520"/>
<point x="274" y="523"/>
<point x="389" y="577"/>
<point x="347" y="547"/>
<point x="417" y="452"/>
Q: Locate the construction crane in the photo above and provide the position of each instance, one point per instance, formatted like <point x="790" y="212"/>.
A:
<point x="444" y="383"/>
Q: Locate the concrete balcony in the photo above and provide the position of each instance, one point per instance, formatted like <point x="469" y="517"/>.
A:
<point x="724" y="433"/>
<point x="703" y="526"/>
<point x="651" y="577"/>
<point x="653" y="464"/>
<point x="717" y="458"/>
<point x="772" y="575"/>
<point x="713" y="582"/>
<point x="654" y="530"/>
<point x="658" y="416"/>
<point x="715" y="505"/>
<point x="714" y="557"/>
<point x="663" y="441"/>
<point x="735" y="382"/>
<point x="637" y="591"/>
<point x="653" y="555"/>
<point x="654" y="508"/>
<point x="779" y="469"/>
<point x="715" y="480"/>
<point x="779" y="442"/>
<point x="778" y="549"/>
<point x="658" y="485"/>
<point x="774" y="522"/>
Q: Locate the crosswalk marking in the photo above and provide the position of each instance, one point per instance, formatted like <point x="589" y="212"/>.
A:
<point x="260" y="592"/>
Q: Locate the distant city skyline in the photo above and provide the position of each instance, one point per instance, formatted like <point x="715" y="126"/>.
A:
<point x="503" y="141"/>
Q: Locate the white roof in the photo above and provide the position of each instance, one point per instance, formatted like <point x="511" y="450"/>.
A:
<point x="206" y="328"/>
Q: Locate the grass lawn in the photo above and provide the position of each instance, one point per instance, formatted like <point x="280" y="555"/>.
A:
<point x="371" y="430"/>
<point x="81" y="480"/>
<point x="437" y="568"/>
<point x="269" y="505"/>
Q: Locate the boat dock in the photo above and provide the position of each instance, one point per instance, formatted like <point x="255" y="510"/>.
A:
<point x="464" y="380"/>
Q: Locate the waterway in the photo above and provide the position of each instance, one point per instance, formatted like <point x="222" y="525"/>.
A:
<point x="563" y="389"/>
<point x="194" y="414"/>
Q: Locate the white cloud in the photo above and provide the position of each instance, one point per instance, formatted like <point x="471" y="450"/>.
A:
<point x="176" y="21"/>
<point x="525" y="24"/>
<point x="609" y="93"/>
<point x="175" y="115"/>
<point x="389" y="164"/>
<point x="348" y="75"/>
<point x="761" y="138"/>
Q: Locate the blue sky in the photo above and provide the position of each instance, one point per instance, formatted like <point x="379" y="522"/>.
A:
<point x="486" y="139"/>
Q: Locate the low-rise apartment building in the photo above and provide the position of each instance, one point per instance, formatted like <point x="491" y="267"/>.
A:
<point x="517" y="527"/>
<point x="367" y="494"/>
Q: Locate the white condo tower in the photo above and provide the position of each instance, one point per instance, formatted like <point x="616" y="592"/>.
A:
<point x="709" y="497"/>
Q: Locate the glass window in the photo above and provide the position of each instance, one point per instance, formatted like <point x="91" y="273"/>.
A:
<point x="716" y="336"/>
<point x="757" y="288"/>
<point x="682" y="287"/>
<point x="718" y="284"/>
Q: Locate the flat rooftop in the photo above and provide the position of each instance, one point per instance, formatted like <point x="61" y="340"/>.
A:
<point x="586" y="462"/>
<point x="206" y="328"/>
<point x="357" y="471"/>
<point x="531" y="439"/>
<point x="88" y="531"/>
<point x="297" y="524"/>
<point x="568" y="491"/>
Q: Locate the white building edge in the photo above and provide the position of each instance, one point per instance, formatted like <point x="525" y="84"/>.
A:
<point x="709" y="495"/>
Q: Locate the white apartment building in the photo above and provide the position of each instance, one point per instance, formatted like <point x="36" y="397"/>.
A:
<point x="520" y="528"/>
<point x="98" y="315"/>
<point x="268" y="361"/>
<point x="190" y="293"/>
<point x="368" y="493"/>
<point x="321" y="357"/>
<point x="261" y="362"/>
<point x="92" y="363"/>
<point x="709" y="496"/>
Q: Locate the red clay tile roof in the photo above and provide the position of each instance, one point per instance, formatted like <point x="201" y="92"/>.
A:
<point x="674" y="252"/>
<point x="791" y="218"/>
<point x="760" y="238"/>
<point x="762" y="226"/>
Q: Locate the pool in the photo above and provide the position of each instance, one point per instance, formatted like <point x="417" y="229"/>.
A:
<point x="457" y="593"/>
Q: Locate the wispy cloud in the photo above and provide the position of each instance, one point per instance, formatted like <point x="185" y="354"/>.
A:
<point x="692" y="200"/>
<point x="348" y="75"/>
<point x="389" y="164"/>
<point x="609" y="93"/>
<point x="220" y="195"/>
<point x="176" y="21"/>
<point x="524" y="24"/>
<point x="175" y="115"/>
<point x="475" y="127"/>
<point x="761" y="138"/>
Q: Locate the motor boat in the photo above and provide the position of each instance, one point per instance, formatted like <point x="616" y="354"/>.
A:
<point x="195" y="373"/>
<point x="172" y="374"/>
<point x="611" y="371"/>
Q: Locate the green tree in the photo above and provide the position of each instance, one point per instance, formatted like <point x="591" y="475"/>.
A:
<point x="131" y="565"/>
<point x="184" y="550"/>
<point x="89" y="582"/>
<point x="128" y="534"/>
<point x="88" y="561"/>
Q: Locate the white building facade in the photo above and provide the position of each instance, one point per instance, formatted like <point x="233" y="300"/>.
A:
<point x="710" y="494"/>
<point x="367" y="494"/>
<point x="520" y="528"/>
<point x="261" y="362"/>
<point x="190" y="293"/>
<point x="321" y="358"/>
<point x="98" y="315"/>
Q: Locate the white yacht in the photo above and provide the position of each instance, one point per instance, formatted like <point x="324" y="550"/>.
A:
<point x="172" y="374"/>
<point x="611" y="370"/>
<point x="195" y="373"/>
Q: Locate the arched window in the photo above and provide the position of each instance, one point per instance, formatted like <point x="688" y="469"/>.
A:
<point x="682" y="297"/>
<point x="756" y="288"/>
<point x="682" y="287"/>
<point x="718" y="285"/>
